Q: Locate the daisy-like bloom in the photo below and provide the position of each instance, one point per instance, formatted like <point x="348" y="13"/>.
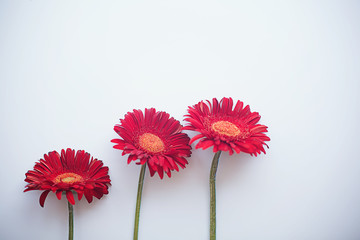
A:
<point x="226" y="127"/>
<point x="153" y="138"/>
<point x="69" y="172"/>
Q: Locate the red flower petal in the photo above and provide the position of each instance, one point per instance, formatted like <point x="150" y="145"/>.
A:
<point x="204" y="144"/>
<point x="70" y="197"/>
<point x="196" y="138"/>
<point x="43" y="197"/>
<point x="152" y="170"/>
<point x="88" y="195"/>
<point x="80" y="194"/>
<point x="58" y="194"/>
<point x="160" y="171"/>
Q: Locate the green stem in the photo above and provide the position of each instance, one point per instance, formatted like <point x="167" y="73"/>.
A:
<point x="71" y="221"/>
<point x="138" y="201"/>
<point x="214" y="166"/>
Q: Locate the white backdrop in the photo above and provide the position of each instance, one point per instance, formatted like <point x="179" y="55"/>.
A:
<point x="69" y="70"/>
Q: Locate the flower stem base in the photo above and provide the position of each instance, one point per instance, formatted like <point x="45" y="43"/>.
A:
<point x="138" y="201"/>
<point x="212" y="180"/>
<point x="71" y="221"/>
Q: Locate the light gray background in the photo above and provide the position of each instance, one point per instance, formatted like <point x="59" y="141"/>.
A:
<point x="70" y="69"/>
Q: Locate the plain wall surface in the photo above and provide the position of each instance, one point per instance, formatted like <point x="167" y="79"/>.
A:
<point x="69" y="70"/>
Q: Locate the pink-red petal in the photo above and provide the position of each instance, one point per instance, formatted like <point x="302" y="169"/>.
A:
<point x="43" y="197"/>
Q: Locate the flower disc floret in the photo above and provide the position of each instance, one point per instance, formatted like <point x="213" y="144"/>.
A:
<point x="225" y="128"/>
<point x="69" y="178"/>
<point x="151" y="143"/>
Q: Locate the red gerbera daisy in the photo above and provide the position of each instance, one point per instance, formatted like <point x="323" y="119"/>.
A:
<point x="153" y="138"/>
<point x="69" y="172"/>
<point x="227" y="128"/>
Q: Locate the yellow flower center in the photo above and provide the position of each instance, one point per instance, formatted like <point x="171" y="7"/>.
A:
<point x="226" y="128"/>
<point x="151" y="143"/>
<point x="68" y="178"/>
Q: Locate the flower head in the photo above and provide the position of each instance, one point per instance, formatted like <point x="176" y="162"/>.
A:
<point x="226" y="128"/>
<point x="69" y="172"/>
<point x="153" y="138"/>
